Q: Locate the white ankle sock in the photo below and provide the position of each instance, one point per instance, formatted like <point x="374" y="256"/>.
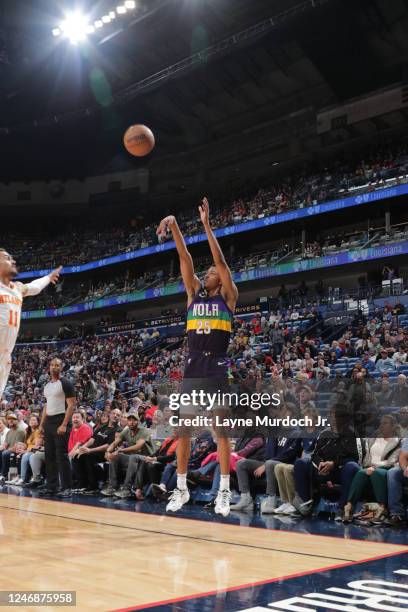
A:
<point x="225" y="483"/>
<point x="182" y="481"/>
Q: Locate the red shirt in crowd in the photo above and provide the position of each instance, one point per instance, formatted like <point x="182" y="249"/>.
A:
<point x="80" y="435"/>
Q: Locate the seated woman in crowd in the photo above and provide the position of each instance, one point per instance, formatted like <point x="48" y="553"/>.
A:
<point x="37" y="463"/>
<point x="21" y="458"/>
<point x="371" y="479"/>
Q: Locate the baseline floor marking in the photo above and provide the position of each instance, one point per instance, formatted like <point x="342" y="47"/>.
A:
<point x="194" y="520"/>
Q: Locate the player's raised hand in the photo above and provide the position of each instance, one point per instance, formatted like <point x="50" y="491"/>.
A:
<point x="204" y="211"/>
<point x="164" y="225"/>
<point x="55" y="274"/>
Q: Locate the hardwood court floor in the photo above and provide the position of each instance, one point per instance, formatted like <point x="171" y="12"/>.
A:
<point x="115" y="559"/>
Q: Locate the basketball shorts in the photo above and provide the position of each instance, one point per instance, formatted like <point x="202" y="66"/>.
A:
<point x="205" y="381"/>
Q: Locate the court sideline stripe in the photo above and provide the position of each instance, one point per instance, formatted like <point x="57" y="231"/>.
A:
<point x="155" y="604"/>
<point x="176" y="535"/>
<point x="199" y="520"/>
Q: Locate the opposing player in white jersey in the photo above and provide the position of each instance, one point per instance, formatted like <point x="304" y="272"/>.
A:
<point x="11" y="300"/>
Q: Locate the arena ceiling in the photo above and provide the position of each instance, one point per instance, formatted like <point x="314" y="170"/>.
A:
<point x="75" y="102"/>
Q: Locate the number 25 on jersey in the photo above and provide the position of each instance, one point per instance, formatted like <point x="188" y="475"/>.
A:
<point x="203" y="327"/>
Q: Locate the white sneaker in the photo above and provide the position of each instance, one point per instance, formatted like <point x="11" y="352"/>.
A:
<point x="178" y="498"/>
<point x="222" y="503"/>
<point x="289" y="509"/>
<point x="12" y="481"/>
<point x="281" y="509"/>
<point x="19" y="482"/>
<point x="268" y="505"/>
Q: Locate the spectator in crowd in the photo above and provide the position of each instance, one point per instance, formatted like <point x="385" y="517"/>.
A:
<point x="385" y="363"/>
<point x="282" y="449"/>
<point x="92" y="452"/>
<point x="277" y="339"/>
<point x="32" y="441"/>
<point x="400" y="391"/>
<point x="81" y="432"/>
<point x="153" y="466"/>
<point x="362" y="403"/>
<point x="14" y="436"/>
<point x="382" y="454"/>
<point x="403" y="421"/>
<point x="37" y="464"/>
<point x="133" y="440"/>
<point x="336" y="458"/>
<point x="397" y="480"/>
<point x="385" y="392"/>
<point x="3" y="433"/>
<point x="284" y="472"/>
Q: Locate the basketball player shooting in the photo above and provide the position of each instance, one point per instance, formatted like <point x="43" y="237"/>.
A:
<point x="210" y="311"/>
<point x="11" y="301"/>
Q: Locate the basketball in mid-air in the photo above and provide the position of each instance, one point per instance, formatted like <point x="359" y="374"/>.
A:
<point x="139" y="140"/>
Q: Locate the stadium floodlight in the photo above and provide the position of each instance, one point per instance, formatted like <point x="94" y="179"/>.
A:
<point x="74" y="27"/>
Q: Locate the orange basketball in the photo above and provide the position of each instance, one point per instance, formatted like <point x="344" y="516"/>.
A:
<point x="139" y="140"/>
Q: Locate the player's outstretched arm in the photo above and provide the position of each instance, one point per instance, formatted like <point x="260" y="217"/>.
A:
<point x="229" y="287"/>
<point x="38" y="285"/>
<point x="190" y="280"/>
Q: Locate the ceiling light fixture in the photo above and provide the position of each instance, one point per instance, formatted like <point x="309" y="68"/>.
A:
<point x="75" y="27"/>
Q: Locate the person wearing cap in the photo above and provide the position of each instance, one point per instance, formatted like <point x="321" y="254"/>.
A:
<point x="136" y="441"/>
<point x="90" y="418"/>
<point x="14" y="436"/>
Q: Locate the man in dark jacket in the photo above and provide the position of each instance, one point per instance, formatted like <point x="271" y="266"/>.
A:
<point x="282" y="449"/>
<point x="336" y="458"/>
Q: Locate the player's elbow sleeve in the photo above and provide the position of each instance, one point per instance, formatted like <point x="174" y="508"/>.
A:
<point x="36" y="286"/>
